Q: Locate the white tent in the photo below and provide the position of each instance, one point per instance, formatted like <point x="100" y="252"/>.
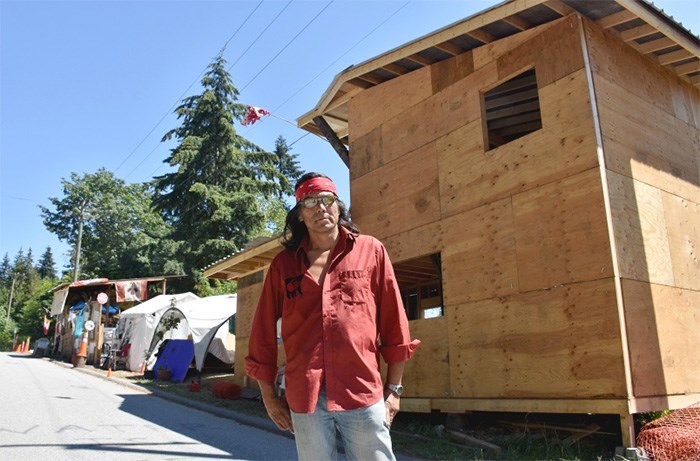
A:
<point x="206" y="322"/>
<point x="138" y="325"/>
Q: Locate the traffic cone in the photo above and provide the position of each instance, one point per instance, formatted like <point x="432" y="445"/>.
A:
<point x="142" y="370"/>
<point x="82" y="353"/>
<point x="109" y="372"/>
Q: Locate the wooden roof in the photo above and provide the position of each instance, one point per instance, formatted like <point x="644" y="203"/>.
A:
<point x="245" y="262"/>
<point x="638" y="22"/>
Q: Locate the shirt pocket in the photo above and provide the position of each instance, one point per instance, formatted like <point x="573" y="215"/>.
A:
<point x="354" y="287"/>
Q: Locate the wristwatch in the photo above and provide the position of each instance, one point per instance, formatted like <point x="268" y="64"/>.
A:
<point x="395" y="388"/>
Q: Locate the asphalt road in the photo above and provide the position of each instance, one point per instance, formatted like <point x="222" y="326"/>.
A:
<point x="50" y="412"/>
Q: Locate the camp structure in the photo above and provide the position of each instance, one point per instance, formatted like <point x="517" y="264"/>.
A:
<point x="137" y="327"/>
<point x="207" y="323"/>
<point x="534" y="172"/>
<point x="96" y="303"/>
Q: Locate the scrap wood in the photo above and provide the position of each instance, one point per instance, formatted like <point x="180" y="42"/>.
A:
<point x="573" y="438"/>
<point x="572" y="429"/>
<point x="429" y="439"/>
<point x="469" y="440"/>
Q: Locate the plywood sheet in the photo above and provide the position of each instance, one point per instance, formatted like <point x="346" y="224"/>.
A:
<point x="490" y="52"/>
<point x="662" y="329"/>
<point x="366" y="153"/>
<point x="248" y="298"/>
<point x="449" y="71"/>
<point x="427" y="373"/>
<point x="423" y="240"/>
<point x="558" y="343"/>
<point x="640" y="229"/>
<point x="561" y="233"/>
<point x="683" y="228"/>
<point x="566" y="145"/>
<point x="646" y="143"/>
<point x="399" y="196"/>
<point x="555" y="53"/>
<point x="478" y="255"/>
<point x="376" y="105"/>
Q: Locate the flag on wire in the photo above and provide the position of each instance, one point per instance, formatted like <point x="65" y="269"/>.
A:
<point x="46" y="324"/>
<point x="253" y="115"/>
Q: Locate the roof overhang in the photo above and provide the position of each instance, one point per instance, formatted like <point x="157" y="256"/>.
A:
<point x="245" y="262"/>
<point x="638" y="22"/>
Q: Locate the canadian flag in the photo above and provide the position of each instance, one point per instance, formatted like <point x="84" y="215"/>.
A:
<point x="46" y="324"/>
<point x="253" y="115"/>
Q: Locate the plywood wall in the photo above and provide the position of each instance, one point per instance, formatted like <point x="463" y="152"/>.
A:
<point x="528" y="291"/>
<point x="649" y="123"/>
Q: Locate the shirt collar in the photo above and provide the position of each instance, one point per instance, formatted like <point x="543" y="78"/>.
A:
<point x="344" y="239"/>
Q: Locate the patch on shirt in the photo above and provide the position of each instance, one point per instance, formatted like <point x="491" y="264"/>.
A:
<point x="293" y="285"/>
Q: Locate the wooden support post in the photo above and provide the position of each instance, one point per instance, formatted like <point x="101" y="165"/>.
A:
<point x="333" y="139"/>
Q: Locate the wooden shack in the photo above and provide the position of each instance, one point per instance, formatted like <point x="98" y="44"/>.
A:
<point x="534" y="172"/>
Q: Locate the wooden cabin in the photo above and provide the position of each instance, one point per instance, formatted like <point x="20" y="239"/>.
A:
<point x="534" y="172"/>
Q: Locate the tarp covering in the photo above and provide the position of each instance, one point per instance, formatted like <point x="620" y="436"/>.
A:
<point x="138" y="325"/>
<point x="176" y="354"/>
<point x="205" y="320"/>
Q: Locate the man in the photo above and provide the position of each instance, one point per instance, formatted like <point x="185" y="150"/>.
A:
<point x="340" y="306"/>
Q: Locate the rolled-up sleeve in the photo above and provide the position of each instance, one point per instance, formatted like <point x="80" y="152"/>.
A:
<point x="396" y="344"/>
<point x="261" y="362"/>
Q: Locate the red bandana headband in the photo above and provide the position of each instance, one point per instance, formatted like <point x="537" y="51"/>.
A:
<point x="315" y="185"/>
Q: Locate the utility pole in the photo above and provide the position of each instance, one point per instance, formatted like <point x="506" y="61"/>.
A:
<point x="76" y="275"/>
<point x="9" y="303"/>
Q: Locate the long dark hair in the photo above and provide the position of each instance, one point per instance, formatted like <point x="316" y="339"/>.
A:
<point x="295" y="230"/>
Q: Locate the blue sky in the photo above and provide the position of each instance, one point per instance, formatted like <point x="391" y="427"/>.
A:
<point x="90" y="84"/>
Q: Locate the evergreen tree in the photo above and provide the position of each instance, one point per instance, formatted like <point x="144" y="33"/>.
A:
<point x="5" y="270"/>
<point x="213" y="198"/>
<point x="47" y="265"/>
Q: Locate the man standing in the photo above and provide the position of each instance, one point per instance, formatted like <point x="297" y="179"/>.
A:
<point x="340" y="306"/>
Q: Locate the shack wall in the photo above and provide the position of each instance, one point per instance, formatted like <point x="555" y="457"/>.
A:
<point x="649" y="122"/>
<point x="530" y="309"/>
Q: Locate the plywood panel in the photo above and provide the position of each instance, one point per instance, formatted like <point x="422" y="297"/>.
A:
<point x="376" y="105"/>
<point x="683" y="228"/>
<point x="640" y="230"/>
<point x="561" y="233"/>
<point x="248" y="297"/>
<point x="555" y="53"/>
<point x="427" y="373"/>
<point x="558" y="343"/>
<point x="662" y="329"/>
<point x="399" y="196"/>
<point x="436" y="116"/>
<point x="416" y="242"/>
<point x="566" y="145"/>
<point x="490" y="52"/>
<point x="478" y="257"/>
<point x="366" y="153"/>
<point x="449" y="71"/>
<point x="646" y="143"/>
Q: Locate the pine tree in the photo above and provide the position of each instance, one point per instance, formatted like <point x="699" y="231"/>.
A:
<point x="213" y="198"/>
<point x="47" y="265"/>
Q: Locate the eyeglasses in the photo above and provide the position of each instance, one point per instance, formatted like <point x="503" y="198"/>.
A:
<point x="311" y="202"/>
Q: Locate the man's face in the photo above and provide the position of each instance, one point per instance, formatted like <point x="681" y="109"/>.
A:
<point x="320" y="212"/>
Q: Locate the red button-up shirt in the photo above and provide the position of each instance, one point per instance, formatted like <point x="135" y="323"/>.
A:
<point x="332" y="334"/>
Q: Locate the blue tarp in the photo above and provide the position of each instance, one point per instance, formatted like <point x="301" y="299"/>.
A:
<point x="112" y="310"/>
<point x="80" y="305"/>
<point x="176" y="354"/>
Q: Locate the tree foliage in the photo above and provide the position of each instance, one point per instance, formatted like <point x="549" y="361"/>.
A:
<point x="120" y="231"/>
<point x="225" y="189"/>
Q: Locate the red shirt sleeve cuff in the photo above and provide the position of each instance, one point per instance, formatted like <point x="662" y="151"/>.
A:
<point x="259" y="371"/>
<point x="400" y="353"/>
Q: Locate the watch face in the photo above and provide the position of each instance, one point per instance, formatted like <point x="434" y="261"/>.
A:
<point x="396" y="388"/>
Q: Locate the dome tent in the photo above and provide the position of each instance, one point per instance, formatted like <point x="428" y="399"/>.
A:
<point x="206" y="322"/>
<point x="137" y="325"/>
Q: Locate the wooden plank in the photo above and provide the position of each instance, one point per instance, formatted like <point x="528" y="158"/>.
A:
<point x="517" y="22"/>
<point x="479" y="258"/>
<point x="376" y="105"/>
<point x="662" y="325"/>
<point x="674" y="56"/>
<point x="559" y="7"/>
<point x="637" y="32"/>
<point x="471" y="177"/>
<point x="656" y="45"/>
<point x="525" y="405"/>
<point x="245" y="311"/>
<point x="559" y="343"/>
<point x="399" y="196"/>
<point x="688" y="68"/>
<point x="561" y="233"/>
<point x="481" y="35"/>
<point x="486" y="54"/>
<point x="683" y="230"/>
<point x="640" y="230"/>
<point x="616" y="19"/>
<point x="449" y="48"/>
